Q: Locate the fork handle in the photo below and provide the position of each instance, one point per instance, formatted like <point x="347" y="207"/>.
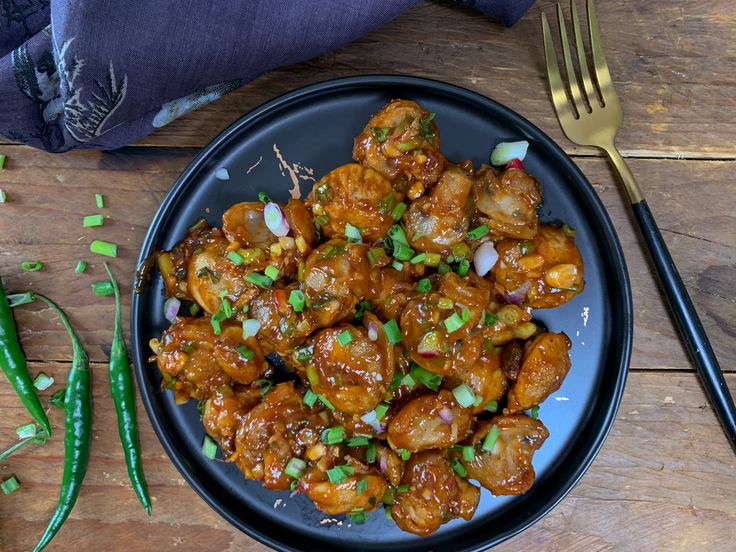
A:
<point x="688" y="322"/>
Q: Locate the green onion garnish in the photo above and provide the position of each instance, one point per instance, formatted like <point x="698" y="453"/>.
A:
<point x="352" y="233"/>
<point x="294" y="484"/>
<point x="357" y="515"/>
<point x="478" y="233"/>
<point x="568" y="231"/>
<point x="391" y="328"/>
<point x="81" y="267"/>
<point x="3" y="196"/>
<point x="100" y="201"/>
<point x="398" y="211"/>
<point x="209" y="447"/>
<point x="322" y="220"/>
<point x="108" y="249"/>
<point x="426" y="378"/>
<point x="491" y="406"/>
<point x="534" y="412"/>
<point x="325" y="402"/>
<point x="424" y="285"/>
<point x="380" y="133"/>
<point x="215" y="323"/>
<point x="345" y="338"/>
<point x="11" y="484"/>
<point x="305" y="354"/>
<point x="272" y="272"/>
<point x="194" y="309"/>
<point x="362" y="486"/>
<point x="463" y="267"/>
<point x="333" y="435"/>
<point x="418" y="258"/>
<point x="405" y="454"/>
<point x="359" y="441"/>
<point x="489" y="318"/>
<point x="388" y="202"/>
<point x="43" y="382"/>
<point x="102" y="289"/>
<point x="490" y="440"/>
<point x="402" y="252"/>
<point x="453" y="322"/>
<point x="465" y="314"/>
<point x="259" y="279"/>
<point x="464" y="395"/>
<point x="26" y="431"/>
<point x="235" y="257"/>
<point x="397" y="234"/>
<point x="18" y="299"/>
<point x="339" y="474"/>
<point x="310" y="397"/>
<point x="396" y="265"/>
<point x="370" y="453"/>
<point x="376" y="255"/>
<point x="263" y="198"/>
<point x="445" y="303"/>
<point x="297" y="300"/>
<point x="245" y="352"/>
<point x="526" y="247"/>
<point x="57" y="399"/>
<point x="361" y="309"/>
<point x="408" y="381"/>
<point x="468" y="453"/>
<point x="2" y="161"/>
<point x="402" y="489"/>
<point x="443" y="268"/>
<point x="295" y="467"/>
<point x="31" y="266"/>
<point x="459" y="468"/>
<point x="93" y="220"/>
<point x="433" y="259"/>
<point x="380" y="411"/>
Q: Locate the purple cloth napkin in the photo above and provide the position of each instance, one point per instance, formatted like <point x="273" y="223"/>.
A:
<point x="102" y="74"/>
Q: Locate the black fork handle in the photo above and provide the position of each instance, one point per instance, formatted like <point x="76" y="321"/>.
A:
<point x="688" y="322"/>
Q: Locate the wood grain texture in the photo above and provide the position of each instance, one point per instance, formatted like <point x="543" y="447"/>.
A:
<point x="663" y="481"/>
<point x="688" y="199"/>
<point x="671" y="61"/>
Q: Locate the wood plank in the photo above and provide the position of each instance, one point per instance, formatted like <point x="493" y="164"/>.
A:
<point x="663" y="480"/>
<point x="670" y="61"/>
<point x="687" y="197"/>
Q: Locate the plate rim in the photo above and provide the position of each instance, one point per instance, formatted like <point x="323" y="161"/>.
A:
<point x="380" y="80"/>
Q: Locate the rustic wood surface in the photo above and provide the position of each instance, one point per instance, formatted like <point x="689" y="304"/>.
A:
<point x="663" y="480"/>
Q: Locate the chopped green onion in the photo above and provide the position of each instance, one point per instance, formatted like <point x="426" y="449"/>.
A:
<point x="3" y="196"/>
<point x="333" y="435"/>
<point x="357" y="515"/>
<point x="345" y="338"/>
<point x="418" y="258"/>
<point x="312" y="376"/>
<point x="388" y="202"/>
<point x="489" y="318"/>
<point x="57" y="399"/>
<point x="362" y="486"/>
<point x="295" y="467"/>
<point x="310" y="397"/>
<point x="408" y="381"/>
<point x="225" y="307"/>
<point x="395" y="381"/>
<point x="405" y="454"/>
<point x="464" y="395"/>
<point x="424" y="285"/>
<point x="534" y="412"/>
<point x="11" y="484"/>
<point x="360" y="441"/>
<point x="468" y="453"/>
<point x="81" y="267"/>
<point x="263" y="198"/>
<point x="100" y="201"/>
<point x="102" y="289"/>
<point x="215" y="323"/>
<point x="459" y="468"/>
<point x="568" y="231"/>
<point x="339" y="474"/>
<point x="194" y="309"/>
<point x="376" y="255"/>
<point x="478" y="400"/>
<point x="380" y="411"/>
<point x="397" y="234"/>
<point x="460" y="251"/>
<point x="259" y="279"/>
<point x="294" y="484"/>
<point x="297" y="300"/>
<point x="370" y="453"/>
<point x="402" y="489"/>
<point x="26" y="431"/>
<point x="352" y="233"/>
<point x="445" y="303"/>
<point x="465" y="314"/>
<point x="463" y="267"/>
<point x="491" y="406"/>
<point x="93" y="220"/>
<point x="478" y="233"/>
<point x="402" y="252"/>
<point x="380" y="133"/>
<point x="209" y="447"/>
<point x="391" y="329"/>
<point x="322" y="220"/>
<point x="235" y="257"/>
<point x="490" y="440"/>
<point x="426" y="378"/>
<point x="443" y="268"/>
<point x="398" y="211"/>
<point x="2" y="161"/>
<point x="453" y="322"/>
<point x="17" y="299"/>
<point x="245" y="352"/>
<point x="108" y="249"/>
<point x="272" y="272"/>
<point x="387" y="513"/>
<point x="332" y="251"/>
<point x="31" y="266"/>
<point x="396" y="265"/>
<point x="361" y="309"/>
<point x="43" y="382"/>
<point x="433" y="259"/>
<point x="325" y="402"/>
<point x="526" y="247"/>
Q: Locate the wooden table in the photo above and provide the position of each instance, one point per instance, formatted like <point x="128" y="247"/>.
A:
<point x="664" y="479"/>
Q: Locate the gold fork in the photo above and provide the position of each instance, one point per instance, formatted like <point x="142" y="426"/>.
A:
<point x="591" y="116"/>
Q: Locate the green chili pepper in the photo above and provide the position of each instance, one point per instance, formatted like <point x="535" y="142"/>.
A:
<point x="123" y="395"/>
<point x="77" y="429"/>
<point x="13" y="364"/>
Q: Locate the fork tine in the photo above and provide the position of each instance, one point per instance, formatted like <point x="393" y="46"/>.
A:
<point x="602" y="76"/>
<point x="582" y="61"/>
<point x="572" y="79"/>
<point x="557" y="88"/>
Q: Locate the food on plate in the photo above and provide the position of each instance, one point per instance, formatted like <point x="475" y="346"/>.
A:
<point x="373" y="345"/>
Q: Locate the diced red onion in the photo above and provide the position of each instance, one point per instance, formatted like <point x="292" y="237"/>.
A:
<point x="516" y="164"/>
<point x="372" y="420"/>
<point x="275" y="220"/>
<point x="250" y="327"/>
<point x="447" y="415"/>
<point x="222" y="174"/>
<point x="382" y="463"/>
<point x="171" y="308"/>
<point x="517" y="296"/>
<point x="485" y="258"/>
<point x="372" y="331"/>
<point x="429" y="346"/>
<point x="506" y="151"/>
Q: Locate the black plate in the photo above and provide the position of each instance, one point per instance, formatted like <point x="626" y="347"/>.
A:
<point x="315" y="126"/>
